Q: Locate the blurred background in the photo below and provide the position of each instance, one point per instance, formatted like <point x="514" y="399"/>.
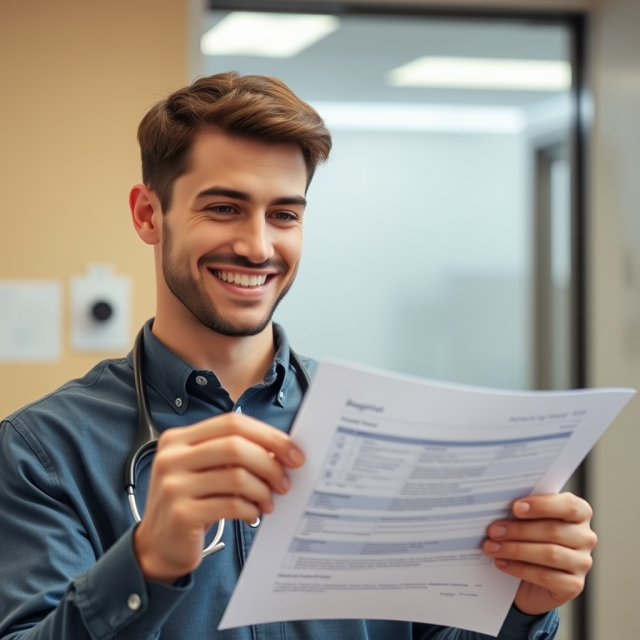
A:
<point x="478" y="220"/>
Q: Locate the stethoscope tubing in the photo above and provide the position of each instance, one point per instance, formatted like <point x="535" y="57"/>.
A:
<point x="147" y="435"/>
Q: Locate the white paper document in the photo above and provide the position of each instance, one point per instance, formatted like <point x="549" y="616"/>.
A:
<point x="403" y="476"/>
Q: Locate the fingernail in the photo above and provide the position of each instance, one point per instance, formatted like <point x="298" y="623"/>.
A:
<point x="500" y="562"/>
<point x="498" y="531"/>
<point x="521" y="508"/>
<point x="296" y="456"/>
<point x="285" y="483"/>
<point x="492" y="547"/>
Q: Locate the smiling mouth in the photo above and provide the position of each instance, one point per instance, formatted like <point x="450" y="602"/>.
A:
<point x="240" y="279"/>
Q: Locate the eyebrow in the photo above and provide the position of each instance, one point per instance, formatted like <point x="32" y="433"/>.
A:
<point x="234" y="194"/>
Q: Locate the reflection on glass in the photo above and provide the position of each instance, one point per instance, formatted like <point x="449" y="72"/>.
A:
<point x="419" y="241"/>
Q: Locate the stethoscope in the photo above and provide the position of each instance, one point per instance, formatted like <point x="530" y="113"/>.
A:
<point x="146" y="440"/>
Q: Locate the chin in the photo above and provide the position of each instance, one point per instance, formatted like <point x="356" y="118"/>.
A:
<point x="236" y="328"/>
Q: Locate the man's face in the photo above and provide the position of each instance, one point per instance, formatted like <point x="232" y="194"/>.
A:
<point x="232" y="240"/>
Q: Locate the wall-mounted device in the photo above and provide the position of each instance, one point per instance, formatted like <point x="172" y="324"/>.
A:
<point x="100" y="310"/>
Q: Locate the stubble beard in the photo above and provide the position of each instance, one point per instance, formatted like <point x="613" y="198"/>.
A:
<point x="192" y="295"/>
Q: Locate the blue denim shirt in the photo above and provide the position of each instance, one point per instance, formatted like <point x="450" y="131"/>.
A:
<point x="67" y="568"/>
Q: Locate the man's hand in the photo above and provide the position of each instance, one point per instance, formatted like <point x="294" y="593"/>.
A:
<point x="223" y="467"/>
<point x="548" y="547"/>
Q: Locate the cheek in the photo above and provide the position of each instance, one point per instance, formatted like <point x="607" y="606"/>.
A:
<point x="181" y="258"/>
<point x="291" y="249"/>
<point x="191" y="248"/>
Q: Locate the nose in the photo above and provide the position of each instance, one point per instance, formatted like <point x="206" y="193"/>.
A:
<point x="253" y="240"/>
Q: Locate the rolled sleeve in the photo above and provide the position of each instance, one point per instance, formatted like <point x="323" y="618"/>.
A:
<point x="115" y="599"/>
<point x="56" y="580"/>
<point x="519" y="626"/>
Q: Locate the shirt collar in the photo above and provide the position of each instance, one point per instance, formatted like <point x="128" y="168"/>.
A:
<point x="280" y="367"/>
<point x="168" y="373"/>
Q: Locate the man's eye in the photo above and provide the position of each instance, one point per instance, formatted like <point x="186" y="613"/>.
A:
<point x="284" y="215"/>
<point x="221" y="208"/>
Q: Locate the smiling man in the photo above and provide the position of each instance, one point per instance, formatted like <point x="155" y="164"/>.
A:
<point x="226" y="163"/>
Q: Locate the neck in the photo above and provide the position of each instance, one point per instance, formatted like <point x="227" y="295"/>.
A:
<point x="239" y="362"/>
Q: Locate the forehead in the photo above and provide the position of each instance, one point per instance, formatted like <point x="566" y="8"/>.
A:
<point x="217" y="156"/>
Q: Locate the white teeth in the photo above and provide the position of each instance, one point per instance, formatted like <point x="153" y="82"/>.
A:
<point x="241" y="279"/>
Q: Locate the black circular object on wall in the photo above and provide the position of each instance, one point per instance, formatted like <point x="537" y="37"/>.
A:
<point x="101" y="311"/>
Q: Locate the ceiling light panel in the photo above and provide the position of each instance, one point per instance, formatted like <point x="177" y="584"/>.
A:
<point x="483" y="73"/>
<point x="354" y="116"/>
<point x="272" y="35"/>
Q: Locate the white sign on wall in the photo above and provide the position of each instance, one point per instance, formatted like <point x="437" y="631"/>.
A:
<point x="30" y="320"/>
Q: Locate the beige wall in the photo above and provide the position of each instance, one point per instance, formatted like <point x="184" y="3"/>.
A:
<point x="76" y="77"/>
<point x="615" y="311"/>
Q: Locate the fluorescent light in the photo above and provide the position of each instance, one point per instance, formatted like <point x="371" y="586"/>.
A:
<point x="483" y="73"/>
<point x="272" y="35"/>
<point x="355" y="116"/>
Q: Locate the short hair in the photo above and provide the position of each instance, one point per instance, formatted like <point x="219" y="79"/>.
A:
<point x="251" y="106"/>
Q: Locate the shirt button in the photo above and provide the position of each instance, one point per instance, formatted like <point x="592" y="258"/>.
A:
<point x="134" y="602"/>
<point x="281" y="396"/>
<point x="239" y="409"/>
<point x="178" y="402"/>
<point x="201" y="380"/>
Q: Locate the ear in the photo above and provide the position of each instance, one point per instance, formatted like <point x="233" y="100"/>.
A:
<point x="146" y="213"/>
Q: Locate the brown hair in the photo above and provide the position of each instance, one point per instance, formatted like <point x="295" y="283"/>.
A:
<point x="250" y="106"/>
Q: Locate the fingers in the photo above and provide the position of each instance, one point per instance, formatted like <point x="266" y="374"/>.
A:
<point x="560" y="537"/>
<point x="194" y="512"/>
<point x="233" y="482"/>
<point x="241" y="425"/>
<point x="554" y="587"/>
<point x="222" y="452"/>
<point x="570" y="535"/>
<point x="561" y="506"/>
<point x="543" y="555"/>
<point x="548" y="547"/>
<point x="223" y="467"/>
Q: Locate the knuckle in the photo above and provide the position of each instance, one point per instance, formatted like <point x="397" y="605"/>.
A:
<point x="235" y="447"/>
<point x="167" y="438"/>
<point x="164" y="461"/>
<point x="576" y="585"/>
<point x="235" y="421"/>
<point x="552" y="554"/>
<point x="589" y="510"/>
<point x="169" y="487"/>
<point x="238" y="508"/>
<point x="585" y="564"/>
<point x="180" y="514"/>
<point x="548" y="577"/>
<point x="592" y="540"/>
<point x="575" y="506"/>
<point x="237" y="478"/>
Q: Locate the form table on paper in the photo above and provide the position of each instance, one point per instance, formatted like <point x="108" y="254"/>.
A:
<point x="403" y="476"/>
